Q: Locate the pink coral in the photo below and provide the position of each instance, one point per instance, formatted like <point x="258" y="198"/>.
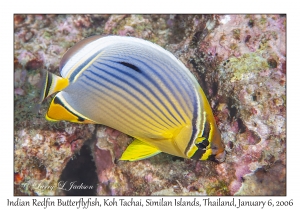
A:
<point x="19" y="91"/>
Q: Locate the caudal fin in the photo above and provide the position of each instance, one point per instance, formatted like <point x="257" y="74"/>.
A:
<point x="51" y="83"/>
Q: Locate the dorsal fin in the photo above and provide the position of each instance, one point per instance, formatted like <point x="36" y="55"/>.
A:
<point x="73" y="50"/>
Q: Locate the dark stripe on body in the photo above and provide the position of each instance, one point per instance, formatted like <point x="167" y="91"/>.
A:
<point x="195" y="129"/>
<point x="169" y="73"/>
<point x="201" y="149"/>
<point x="135" y="68"/>
<point x="91" y="88"/>
<point x="154" y="82"/>
<point x="133" y="86"/>
<point x="206" y="130"/>
<point x="125" y="89"/>
<point x="125" y="49"/>
<point x="187" y="91"/>
<point x="82" y="65"/>
<point x="202" y="145"/>
<point x="194" y="101"/>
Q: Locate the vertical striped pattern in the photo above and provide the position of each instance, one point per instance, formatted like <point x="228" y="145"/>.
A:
<point x="133" y="86"/>
<point x="138" y="88"/>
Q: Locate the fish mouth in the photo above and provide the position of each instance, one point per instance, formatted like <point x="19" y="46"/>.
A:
<point x="220" y="157"/>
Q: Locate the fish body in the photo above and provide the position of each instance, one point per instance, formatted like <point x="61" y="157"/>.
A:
<point x="140" y="89"/>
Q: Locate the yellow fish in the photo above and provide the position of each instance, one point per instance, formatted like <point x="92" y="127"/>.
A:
<point x="140" y="89"/>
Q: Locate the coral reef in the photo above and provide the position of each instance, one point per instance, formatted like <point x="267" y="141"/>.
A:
<point x="240" y="62"/>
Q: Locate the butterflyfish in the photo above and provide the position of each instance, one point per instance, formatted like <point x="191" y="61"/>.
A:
<point x="140" y="89"/>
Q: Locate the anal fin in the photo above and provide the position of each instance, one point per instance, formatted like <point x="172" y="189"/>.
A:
<point x="139" y="150"/>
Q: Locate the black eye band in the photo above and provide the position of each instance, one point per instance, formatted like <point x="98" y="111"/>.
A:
<point x="201" y="149"/>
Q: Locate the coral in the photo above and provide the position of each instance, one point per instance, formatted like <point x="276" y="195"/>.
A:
<point x="40" y="156"/>
<point x="269" y="180"/>
<point x="256" y="95"/>
<point x="239" y="61"/>
<point x="106" y="153"/>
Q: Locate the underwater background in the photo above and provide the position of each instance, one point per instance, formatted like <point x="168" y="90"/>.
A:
<point x="239" y="61"/>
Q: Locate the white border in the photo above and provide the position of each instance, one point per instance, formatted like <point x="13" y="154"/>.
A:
<point x="154" y="6"/>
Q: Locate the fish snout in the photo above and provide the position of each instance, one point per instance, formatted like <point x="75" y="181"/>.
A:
<point x="220" y="157"/>
<point x="218" y="148"/>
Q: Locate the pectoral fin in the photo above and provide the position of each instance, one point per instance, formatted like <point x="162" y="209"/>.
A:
<point x="139" y="150"/>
